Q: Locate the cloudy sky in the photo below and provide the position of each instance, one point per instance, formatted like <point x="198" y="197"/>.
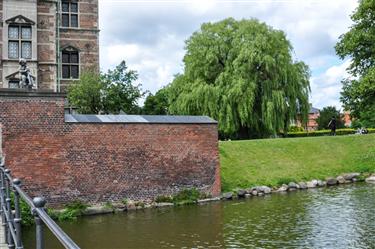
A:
<point x="150" y="35"/>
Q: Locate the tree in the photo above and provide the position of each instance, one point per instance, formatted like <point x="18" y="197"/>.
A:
<point x="156" y="104"/>
<point x="359" y="97"/>
<point x="326" y="115"/>
<point x="86" y="93"/>
<point x="242" y="74"/>
<point x="358" y="43"/>
<point x="358" y="94"/>
<point x="111" y="92"/>
<point x="119" y="93"/>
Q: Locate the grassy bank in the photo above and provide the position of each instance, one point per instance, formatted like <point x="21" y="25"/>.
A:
<point x="276" y="161"/>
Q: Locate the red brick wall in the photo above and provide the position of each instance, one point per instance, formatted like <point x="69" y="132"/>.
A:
<point x="97" y="162"/>
<point x="312" y="124"/>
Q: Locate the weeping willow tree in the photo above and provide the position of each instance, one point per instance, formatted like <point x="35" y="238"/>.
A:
<point x="242" y="74"/>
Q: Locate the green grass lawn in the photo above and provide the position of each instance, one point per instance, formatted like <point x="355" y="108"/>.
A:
<point x="276" y="161"/>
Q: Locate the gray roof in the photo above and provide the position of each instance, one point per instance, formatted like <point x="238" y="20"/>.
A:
<point x="314" y="110"/>
<point x="152" y="119"/>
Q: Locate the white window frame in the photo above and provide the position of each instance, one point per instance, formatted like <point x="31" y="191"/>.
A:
<point x="20" y="40"/>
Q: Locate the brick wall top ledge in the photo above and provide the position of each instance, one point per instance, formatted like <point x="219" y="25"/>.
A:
<point x="139" y="119"/>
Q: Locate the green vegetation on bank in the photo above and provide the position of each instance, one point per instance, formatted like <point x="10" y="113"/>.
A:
<point x="276" y="161"/>
<point x="185" y="196"/>
<point x="70" y="212"/>
<point x="345" y="131"/>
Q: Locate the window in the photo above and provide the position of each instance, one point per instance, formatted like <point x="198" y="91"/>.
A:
<point x="19" y="43"/>
<point x="70" y="64"/>
<point x="69" y="16"/>
<point x="14" y="84"/>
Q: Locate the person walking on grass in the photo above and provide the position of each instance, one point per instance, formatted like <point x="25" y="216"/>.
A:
<point x="332" y="126"/>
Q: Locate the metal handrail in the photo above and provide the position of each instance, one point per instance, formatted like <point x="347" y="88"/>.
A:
<point x="12" y="218"/>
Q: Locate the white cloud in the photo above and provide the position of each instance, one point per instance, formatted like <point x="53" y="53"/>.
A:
<point x="199" y="7"/>
<point x="150" y="35"/>
<point x="326" y="87"/>
<point x="156" y="65"/>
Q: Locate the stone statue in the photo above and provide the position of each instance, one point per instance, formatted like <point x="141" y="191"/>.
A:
<point x="27" y="80"/>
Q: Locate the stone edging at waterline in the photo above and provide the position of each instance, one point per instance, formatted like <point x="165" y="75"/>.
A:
<point x="292" y="186"/>
<point x="242" y="193"/>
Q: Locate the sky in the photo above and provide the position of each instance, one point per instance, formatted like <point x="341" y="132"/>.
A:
<point x="150" y="36"/>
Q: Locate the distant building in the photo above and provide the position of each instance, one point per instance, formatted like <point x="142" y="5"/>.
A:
<point x="314" y="114"/>
<point x="347" y="119"/>
<point x="311" y="124"/>
<point x="58" y="38"/>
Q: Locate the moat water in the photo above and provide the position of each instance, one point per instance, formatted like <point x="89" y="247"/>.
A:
<point x="336" y="217"/>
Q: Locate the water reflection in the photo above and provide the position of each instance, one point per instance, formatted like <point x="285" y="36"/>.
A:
<point x="339" y="217"/>
<point x="343" y="219"/>
<point x="270" y="222"/>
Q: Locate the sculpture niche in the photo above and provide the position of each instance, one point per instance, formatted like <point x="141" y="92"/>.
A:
<point x="27" y="79"/>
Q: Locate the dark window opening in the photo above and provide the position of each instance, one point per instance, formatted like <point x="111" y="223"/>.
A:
<point x="74" y="7"/>
<point x="65" y="20"/>
<point x="65" y="6"/>
<point x="70" y="64"/>
<point x="69" y="16"/>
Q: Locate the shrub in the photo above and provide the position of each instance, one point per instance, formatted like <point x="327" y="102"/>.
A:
<point x="125" y="201"/>
<point x="163" y="198"/>
<point x="71" y="211"/>
<point x="345" y="131"/>
<point x="294" y="128"/>
<point x="356" y="124"/>
<point x="68" y="214"/>
<point x="77" y="205"/>
<point x="26" y="214"/>
<point x="27" y="218"/>
<point x="205" y="195"/>
<point x="139" y="204"/>
<point x="186" y="196"/>
<point x="109" y="205"/>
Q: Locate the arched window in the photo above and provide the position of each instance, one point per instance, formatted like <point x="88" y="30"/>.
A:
<point x="70" y="63"/>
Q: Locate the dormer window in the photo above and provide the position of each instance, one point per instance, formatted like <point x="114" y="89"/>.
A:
<point x="69" y="15"/>
<point x="19" y="41"/>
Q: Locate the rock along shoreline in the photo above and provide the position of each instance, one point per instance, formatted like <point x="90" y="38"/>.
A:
<point x="256" y="191"/>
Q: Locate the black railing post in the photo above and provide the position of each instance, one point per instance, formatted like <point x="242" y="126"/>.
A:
<point x="17" y="218"/>
<point x="39" y="202"/>
<point x="2" y="199"/>
<point x="8" y="208"/>
<point x="11" y="219"/>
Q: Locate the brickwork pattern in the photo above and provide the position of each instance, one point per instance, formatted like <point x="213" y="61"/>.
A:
<point x="104" y="162"/>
